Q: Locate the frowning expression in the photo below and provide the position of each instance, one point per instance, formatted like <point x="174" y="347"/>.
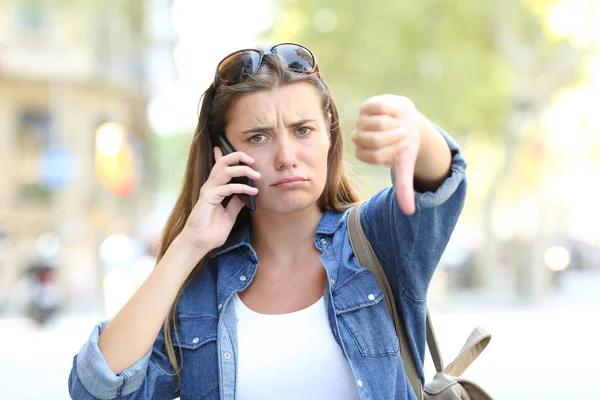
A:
<point x="285" y="131"/>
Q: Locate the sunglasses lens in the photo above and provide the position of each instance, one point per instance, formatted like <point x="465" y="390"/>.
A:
<point x="239" y="66"/>
<point x="297" y="57"/>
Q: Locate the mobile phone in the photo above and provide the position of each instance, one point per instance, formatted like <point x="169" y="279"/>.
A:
<point x="227" y="148"/>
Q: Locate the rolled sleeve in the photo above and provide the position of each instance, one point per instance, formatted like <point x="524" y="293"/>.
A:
<point x="449" y="186"/>
<point x="96" y="376"/>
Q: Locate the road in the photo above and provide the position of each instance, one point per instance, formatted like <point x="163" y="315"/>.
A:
<point x="35" y="363"/>
<point x="545" y="353"/>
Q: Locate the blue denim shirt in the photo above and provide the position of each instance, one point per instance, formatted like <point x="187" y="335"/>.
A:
<point x="409" y="249"/>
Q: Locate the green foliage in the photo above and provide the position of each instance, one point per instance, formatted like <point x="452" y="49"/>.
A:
<point x="444" y="55"/>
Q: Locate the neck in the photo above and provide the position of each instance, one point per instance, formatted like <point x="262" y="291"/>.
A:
<point x="285" y="237"/>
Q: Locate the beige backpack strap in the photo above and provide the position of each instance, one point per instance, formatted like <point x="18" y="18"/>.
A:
<point x="434" y="348"/>
<point x="475" y="344"/>
<point x="367" y="258"/>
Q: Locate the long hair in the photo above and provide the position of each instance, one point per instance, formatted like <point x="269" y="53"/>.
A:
<point x="214" y="113"/>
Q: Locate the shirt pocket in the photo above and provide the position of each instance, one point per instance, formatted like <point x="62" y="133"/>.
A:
<point x="197" y="356"/>
<point x="361" y="310"/>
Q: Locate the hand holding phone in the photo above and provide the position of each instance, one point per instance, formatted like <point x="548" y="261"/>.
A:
<point x="227" y="148"/>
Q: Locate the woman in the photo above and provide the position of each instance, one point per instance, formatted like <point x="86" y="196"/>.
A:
<point x="309" y="321"/>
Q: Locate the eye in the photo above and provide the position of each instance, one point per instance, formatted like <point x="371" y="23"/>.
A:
<point x="257" y="139"/>
<point x="304" y="131"/>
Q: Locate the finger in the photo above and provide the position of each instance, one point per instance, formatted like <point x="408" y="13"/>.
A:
<point x="236" y="158"/>
<point x="376" y="106"/>
<point x="225" y="175"/>
<point x="383" y="155"/>
<point x="377" y="123"/>
<point x="218" y="153"/>
<point x="377" y="140"/>
<point x="234" y="188"/>
<point x="404" y="170"/>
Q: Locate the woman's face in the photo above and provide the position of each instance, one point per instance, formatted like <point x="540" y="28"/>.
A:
<point x="285" y="132"/>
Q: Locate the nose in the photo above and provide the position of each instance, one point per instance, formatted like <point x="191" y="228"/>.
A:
<point x="286" y="154"/>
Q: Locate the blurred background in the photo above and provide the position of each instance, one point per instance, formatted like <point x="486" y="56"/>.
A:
<point x="99" y="100"/>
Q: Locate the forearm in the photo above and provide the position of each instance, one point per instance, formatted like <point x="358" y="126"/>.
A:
<point x="133" y="330"/>
<point x="434" y="159"/>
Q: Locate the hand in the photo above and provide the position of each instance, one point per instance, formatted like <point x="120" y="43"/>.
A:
<point x="209" y="223"/>
<point x="387" y="132"/>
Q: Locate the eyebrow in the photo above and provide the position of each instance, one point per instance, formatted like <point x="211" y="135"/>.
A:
<point x="264" y="129"/>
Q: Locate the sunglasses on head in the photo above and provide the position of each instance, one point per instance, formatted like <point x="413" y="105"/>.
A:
<point x="242" y="64"/>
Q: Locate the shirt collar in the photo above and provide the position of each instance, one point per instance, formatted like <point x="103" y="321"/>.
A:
<point x="330" y="222"/>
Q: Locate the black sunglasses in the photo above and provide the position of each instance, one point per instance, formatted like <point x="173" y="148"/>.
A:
<point x="242" y="64"/>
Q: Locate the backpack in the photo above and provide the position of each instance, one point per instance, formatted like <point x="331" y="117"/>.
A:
<point x="447" y="383"/>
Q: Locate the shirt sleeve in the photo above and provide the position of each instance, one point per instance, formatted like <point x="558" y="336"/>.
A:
<point x="410" y="247"/>
<point x="150" y="377"/>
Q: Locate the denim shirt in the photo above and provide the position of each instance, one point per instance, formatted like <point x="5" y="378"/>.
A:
<point x="408" y="248"/>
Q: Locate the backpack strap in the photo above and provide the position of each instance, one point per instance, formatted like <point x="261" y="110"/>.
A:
<point x="475" y="344"/>
<point x="367" y="258"/>
<point x="434" y="348"/>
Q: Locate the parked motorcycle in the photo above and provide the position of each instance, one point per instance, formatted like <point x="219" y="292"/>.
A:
<point x="43" y="298"/>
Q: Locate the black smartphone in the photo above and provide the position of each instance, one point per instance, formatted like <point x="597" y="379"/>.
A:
<point x="227" y="148"/>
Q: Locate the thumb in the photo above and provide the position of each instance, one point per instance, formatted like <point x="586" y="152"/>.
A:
<point x="404" y="171"/>
<point x="217" y="153"/>
<point x="234" y="207"/>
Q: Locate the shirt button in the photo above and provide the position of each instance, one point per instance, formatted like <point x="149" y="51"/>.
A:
<point x="332" y="281"/>
<point x="195" y="340"/>
<point x="243" y="278"/>
<point x="371" y="297"/>
<point x="227" y="356"/>
<point x="359" y="383"/>
<point x="323" y="241"/>
<point x="220" y="306"/>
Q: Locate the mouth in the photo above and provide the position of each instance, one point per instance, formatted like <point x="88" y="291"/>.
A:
<point x="289" y="181"/>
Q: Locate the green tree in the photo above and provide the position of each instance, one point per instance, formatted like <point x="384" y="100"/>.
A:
<point x="439" y="53"/>
<point x="454" y="59"/>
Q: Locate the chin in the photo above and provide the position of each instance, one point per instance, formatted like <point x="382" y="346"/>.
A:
<point x="290" y="203"/>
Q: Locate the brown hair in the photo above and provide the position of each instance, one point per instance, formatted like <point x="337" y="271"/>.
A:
<point x="216" y="103"/>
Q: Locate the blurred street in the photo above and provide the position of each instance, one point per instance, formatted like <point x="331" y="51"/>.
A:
<point x="547" y="352"/>
<point x="543" y="353"/>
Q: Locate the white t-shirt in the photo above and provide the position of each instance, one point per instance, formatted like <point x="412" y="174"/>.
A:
<point x="290" y="356"/>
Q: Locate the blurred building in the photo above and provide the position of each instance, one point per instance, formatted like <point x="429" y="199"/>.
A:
<point x="74" y="86"/>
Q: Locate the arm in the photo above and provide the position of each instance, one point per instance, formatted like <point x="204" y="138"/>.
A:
<point x="152" y="377"/>
<point x="410" y="246"/>
<point x="114" y="362"/>
<point x="126" y="356"/>
<point x="131" y="333"/>
<point x="409" y="230"/>
<point x="433" y="164"/>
